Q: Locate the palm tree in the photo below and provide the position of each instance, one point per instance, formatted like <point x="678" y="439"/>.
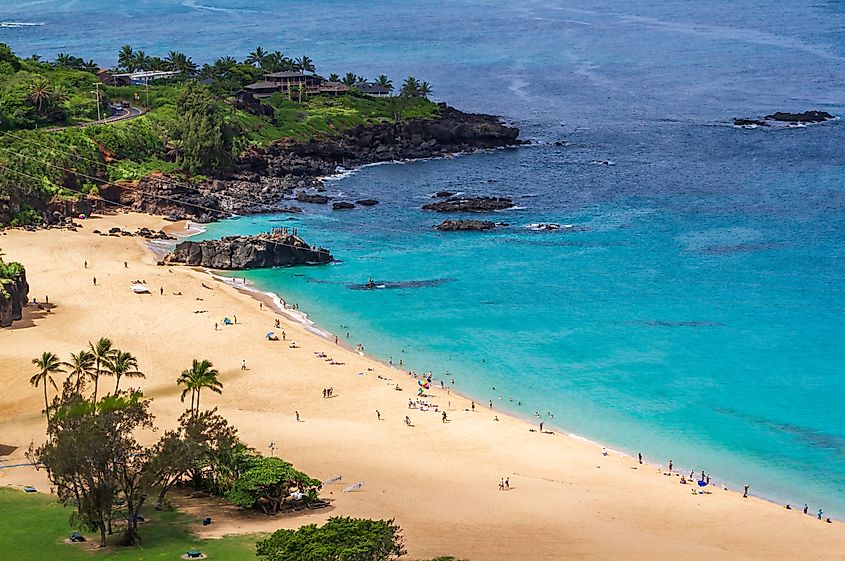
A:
<point x="179" y="62"/>
<point x="60" y="95"/>
<point x="304" y="64"/>
<point x="156" y="63"/>
<point x="411" y="87"/>
<point x="126" y="58"/>
<point x="202" y="374"/>
<point x="82" y="366"/>
<point x="48" y="364"/>
<point x="40" y="92"/>
<point x="334" y="78"/>
<point x="122" y="364"/>
<point x="256" y="57"/>
<point x="174" y="149"/>
<point x="425" y="89"/>
<point x="63" y="59"/>
<point x="384" y="82"/>
<point x="141" y="60"/>
<point x="350" y="79"/>
<point x="102" y="352"/>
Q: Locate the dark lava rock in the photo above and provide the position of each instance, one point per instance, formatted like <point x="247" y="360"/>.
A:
<point x="465" y="225"/>
<point x="805" y="117"/>
<point x="749" y="122"/>
<point x="442" y="195"/>
<point x="304" y="197"/>
<point x="366" y="202"/>
<point x="248" y="252"/>
<point x="470" y="204"/>
<point x="342" y="205"/>
<point x="14" y="294"/>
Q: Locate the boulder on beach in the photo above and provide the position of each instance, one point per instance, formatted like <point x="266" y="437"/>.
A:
<point x="248" y="252"/>
<point x="342" y="205"/>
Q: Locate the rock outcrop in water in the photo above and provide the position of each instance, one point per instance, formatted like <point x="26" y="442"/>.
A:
<point x="465" y="225"/>
<point x="805" y="117"/>
<point x="470" y="204"/>
<point x="265" y="178"/>
<point x="248" y="252"/>
<point x="14" y="292"/>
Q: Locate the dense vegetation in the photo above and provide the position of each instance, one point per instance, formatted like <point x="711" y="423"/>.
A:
<point x="99" y="469"/>
<point x="194" y="127"/>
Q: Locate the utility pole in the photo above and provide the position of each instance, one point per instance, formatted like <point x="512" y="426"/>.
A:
<point x="97" y="93"/>
<point x="147" y="88"/>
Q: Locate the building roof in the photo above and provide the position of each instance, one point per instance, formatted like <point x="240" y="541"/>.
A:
<point x="285" y="74"/>
<point x="368" y="88"/>
<point x="147" y="74"/>
<point x="334" y="87"/>
<point x="262" y="86"/>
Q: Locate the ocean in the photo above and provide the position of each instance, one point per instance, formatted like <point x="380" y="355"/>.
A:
<point x="694" y="311"/>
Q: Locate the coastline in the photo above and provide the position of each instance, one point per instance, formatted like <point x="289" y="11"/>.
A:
<point x="566" y="498"/>
<point x="277" y="303"/>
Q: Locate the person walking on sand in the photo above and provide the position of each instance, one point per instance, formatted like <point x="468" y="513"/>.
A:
<point x="215" y="326"/>
<point x="95" y="281"/>
<point x="670" y="467"/>
<point x="335" y="340"/>
<point x="297" y="416"/>
<point x="85" y="263"/>
<point x="745" y="492"/>
<point x="501" y="485"/>
<point x="125" y="265"/>
<point x="243" y="365"/>
<point x="161" y="291"/>
<point x="261" y="306"/>
<point x="444" y="417"/>
<point x="473" y="406"/>
<point x="235" y="319"/>
<point x="541" y="426"/>
<point x="640" y="457"/>
<point x="283" y="336"/>
<point x="507" y="484"/>
<point x="820" y="514"/>
<point x="378" y="415"/>
<point x="46" y="299"/>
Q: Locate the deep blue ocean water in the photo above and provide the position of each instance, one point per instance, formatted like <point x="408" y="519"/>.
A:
<point x="698" y="315"/>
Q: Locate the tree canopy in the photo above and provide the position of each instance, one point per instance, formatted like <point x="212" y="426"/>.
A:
<point x="267" y="482"/>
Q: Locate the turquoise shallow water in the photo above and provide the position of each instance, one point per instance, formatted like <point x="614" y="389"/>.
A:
<point x="699" y="314"/>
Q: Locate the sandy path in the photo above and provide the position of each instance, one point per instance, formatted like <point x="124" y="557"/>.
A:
<point x="439" y="480"/>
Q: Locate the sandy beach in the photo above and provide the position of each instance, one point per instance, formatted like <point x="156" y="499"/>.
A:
<point x="438" y="480"/>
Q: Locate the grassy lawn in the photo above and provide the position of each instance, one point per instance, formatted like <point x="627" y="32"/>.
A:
<point x="33" y="527"/>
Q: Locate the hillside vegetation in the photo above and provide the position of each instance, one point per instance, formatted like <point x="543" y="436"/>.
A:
<point x="192" y="129"/>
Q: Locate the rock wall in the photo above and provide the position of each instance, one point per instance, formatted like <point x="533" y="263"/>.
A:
<point x="248" y="252"/>
<point x="14" y="294"/>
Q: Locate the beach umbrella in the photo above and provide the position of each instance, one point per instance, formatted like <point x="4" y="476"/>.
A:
<point x="270" y="335"/>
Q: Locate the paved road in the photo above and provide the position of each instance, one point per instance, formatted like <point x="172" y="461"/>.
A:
<point x="125" y="115"/>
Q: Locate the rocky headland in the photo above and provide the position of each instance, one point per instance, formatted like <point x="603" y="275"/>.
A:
<point x="248" y="252"/>
<point x="267" y="179"/>
<point x="783" y="117"/>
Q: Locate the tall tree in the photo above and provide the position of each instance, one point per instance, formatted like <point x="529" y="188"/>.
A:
<point x="256" y="57"/>
<point x="410" y="88"/>
<point x="202" y="129"/>
<point x="82" y="366"/>
<point x="304" y="64"/>
<point x="40" y="92"/>
<point x="93" y="460"/>
<point x="267" y="483"/>
<point x="48" y="364"/>
<point x="425" y="89"/>
<point x="122" y="364"/>
<point x="141" y="60"/>
<point x="350" y="79"/>
<point x="334" y="78"/>
<point x="384" y="82"/>
<point x="202" y="374"/>
<point x="102" y="351"/>
<point x="126" y="58"/>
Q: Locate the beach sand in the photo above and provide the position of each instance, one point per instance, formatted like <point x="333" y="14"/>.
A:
<point x="438" y="480"/>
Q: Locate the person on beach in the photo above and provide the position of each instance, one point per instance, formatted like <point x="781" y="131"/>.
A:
<point x="507" y="484"/>
<point x="603" y="451"/>
<point x="640" y="457"/>
<point x="495" y="417"/>
<point x="161" y="291"/>
<point x="95" y="281"/>
<point x="501" y="484"/>
<point x="243" y="365"/>
<point x="235" y="318"/>
<point x="283" y="335"/>
<point x="278" y="324"/>
<point x="335" y="340"/>
<point x="297" y="416"/>
<point x="444" y="417"/>
<point x="820" y="514"/>
<point x="125" y="265"/>
<point x="702" y="475"/>
<point x="261" y="306"/>
<point x="85" y="263"/>
<point x="541" y="426"/>
<point x="407" y="420"/>
<point x="473" y="406"/>
<point x="324" y="393"/>
<point x="745" y="492"/>
<point x="491" y="404"/>
<point x="670" y="467"/>
<point x="378" y="415"/>
<point x="707" y="480"/>
<point x="401" y="362"/>
<point x="806" y="508"/>
<point x="390" y="361"/>
<point x="215" y="326"/>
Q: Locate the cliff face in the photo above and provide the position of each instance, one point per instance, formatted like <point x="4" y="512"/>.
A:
<point x="14" y="292"/>
<point x="248" y="252"/>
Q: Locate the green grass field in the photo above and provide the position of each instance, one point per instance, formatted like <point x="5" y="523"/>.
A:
<point x="33" y="527"/>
